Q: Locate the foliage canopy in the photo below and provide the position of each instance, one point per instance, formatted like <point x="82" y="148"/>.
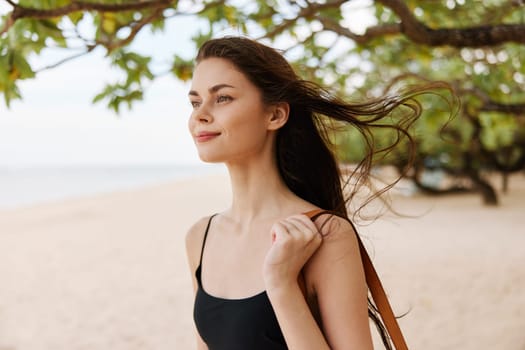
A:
<point x="477" y="47"/>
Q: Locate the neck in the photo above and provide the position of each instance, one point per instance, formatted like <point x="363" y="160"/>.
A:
<point x="258" y="191"/>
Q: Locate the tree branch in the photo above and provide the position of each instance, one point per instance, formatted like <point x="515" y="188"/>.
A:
<point x="308" y="12"/>
<point x="67" y="59"/>
<point x="135" y="30"/>
<point x="490" y="105"/>
<point x="8" y="24"/>
<point x="109" y="46"/>
<point x="27" y="12"/>
<point x="75" y="6"/>
<point x="418" y="32"/>
<point x="511" y="108"/>
<point x="488" y="35"/>
<point x="371" y="33"/>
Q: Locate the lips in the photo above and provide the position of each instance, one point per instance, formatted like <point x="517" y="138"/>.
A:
<point x="206" y="136"/>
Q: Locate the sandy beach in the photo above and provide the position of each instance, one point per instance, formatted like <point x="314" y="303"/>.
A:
<point x="110" y="272"/>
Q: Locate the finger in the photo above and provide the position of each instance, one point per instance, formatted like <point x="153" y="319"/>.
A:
<point x="292" y="229"/>
<point x="315" y="236"/>
<point x="310" y="236"/>
<point x="306" y="229"/>
<point x="305" y="220"/>
<point x="279" y="231"/>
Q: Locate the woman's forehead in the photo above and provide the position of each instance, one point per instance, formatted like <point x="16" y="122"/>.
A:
<point x="214" y="71"/>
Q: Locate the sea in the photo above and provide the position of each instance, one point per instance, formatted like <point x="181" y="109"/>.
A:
<point x="23" y="186"/>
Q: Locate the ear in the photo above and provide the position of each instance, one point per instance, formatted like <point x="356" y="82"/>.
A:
<point x="278" y="115"/>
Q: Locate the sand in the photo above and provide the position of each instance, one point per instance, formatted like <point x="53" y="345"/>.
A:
<point x="110" y="272"/>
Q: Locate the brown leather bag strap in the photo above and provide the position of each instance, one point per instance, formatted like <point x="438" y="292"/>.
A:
<point x="375" y="287"/>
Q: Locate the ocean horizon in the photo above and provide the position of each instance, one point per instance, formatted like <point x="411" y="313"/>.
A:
<point x="28" y="185"/>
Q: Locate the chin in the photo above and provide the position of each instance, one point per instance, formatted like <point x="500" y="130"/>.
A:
<point x="210" y="158"/>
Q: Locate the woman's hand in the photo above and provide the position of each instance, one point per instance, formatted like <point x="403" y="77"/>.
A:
<point x="294" y="240"/>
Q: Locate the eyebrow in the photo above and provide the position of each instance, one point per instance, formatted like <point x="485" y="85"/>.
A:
<point x="214" y="88"/>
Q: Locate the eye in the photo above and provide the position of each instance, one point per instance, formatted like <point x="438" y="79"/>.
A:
<point x="223" y="98"/>
<point x="195" y="104"/>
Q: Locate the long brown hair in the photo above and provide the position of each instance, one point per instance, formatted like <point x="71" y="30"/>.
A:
<point x="305" y="158"/>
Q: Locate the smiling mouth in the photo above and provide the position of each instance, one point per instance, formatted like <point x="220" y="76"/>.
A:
<point x="206" y="137"/>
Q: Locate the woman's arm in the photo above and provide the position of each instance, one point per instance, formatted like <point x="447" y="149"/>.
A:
<point x="332" y="267"/>
<point x="295" y="319"/>
<point x="194" y="239"/>
<point x="336" y="274"/>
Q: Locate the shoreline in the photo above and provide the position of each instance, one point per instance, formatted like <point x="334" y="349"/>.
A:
<point x="30" y="186"/>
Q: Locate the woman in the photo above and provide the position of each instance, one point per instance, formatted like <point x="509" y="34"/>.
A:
<point x="266" y="276"/>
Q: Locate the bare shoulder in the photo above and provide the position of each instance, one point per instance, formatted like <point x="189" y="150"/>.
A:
<point x="339" y="247"/>
<point x="335" y="228"/>
<point x="335" y="278"/>
<point x="194" y="239"/>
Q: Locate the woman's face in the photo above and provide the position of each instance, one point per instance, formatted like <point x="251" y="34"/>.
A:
<point x="229" y="121"/>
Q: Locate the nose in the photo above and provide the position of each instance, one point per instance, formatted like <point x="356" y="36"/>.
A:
<point x="202" y="115"/>
<point x="204" y="118"/>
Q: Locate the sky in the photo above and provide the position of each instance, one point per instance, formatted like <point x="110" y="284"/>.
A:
<point x="56" y="123"/>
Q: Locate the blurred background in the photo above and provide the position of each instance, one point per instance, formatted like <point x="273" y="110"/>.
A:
<point x="55" y="143"/>
<point x="99" y="178"/>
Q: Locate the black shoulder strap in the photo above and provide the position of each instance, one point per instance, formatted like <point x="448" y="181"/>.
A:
<point x="205" y="236"/>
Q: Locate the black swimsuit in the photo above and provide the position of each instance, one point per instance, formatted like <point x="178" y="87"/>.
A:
<point x="235" y="324"/>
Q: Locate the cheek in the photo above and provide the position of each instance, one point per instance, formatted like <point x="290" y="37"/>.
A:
<point x="248" y="129"/>
<point x="191" y="123"/>
<point x="247" y="120"/>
